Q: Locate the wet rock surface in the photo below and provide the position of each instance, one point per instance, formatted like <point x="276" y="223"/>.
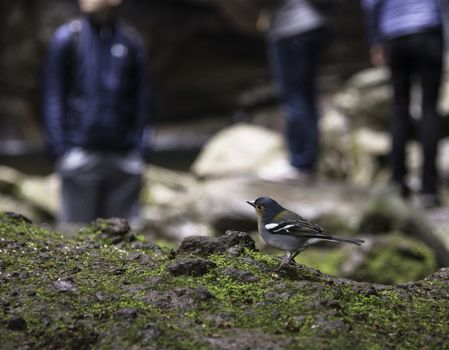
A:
<point x="61" y="293"/>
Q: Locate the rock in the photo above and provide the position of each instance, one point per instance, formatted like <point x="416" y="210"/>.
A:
<point x="126" y="313"/>
<point x="366" y="99"/>
<point x="209" y="245"/>
<point x="142" y="258"/>
<point x="237" y="150"/>
<point x="239" y="275"/>
<point x="178" y="299"/>
<point x="168" y="188"/>
<point x="65" y="285"/>
<point x="385" y="213"/>
<point x="150" y="332"/>
<point x="42" y="193"/>
<point x="388" y="212"/>
<point x="8" y="203"/>
<point x="390" y="260"/>
<point x="209" y="310"/>
<point x="17" y="217"/>
<point x="352" y="153"/>
<point x="111" y="231"/>
<point x="190" y="266"/>
<point x="16" y="324"/>
<point x="10" y="180"/>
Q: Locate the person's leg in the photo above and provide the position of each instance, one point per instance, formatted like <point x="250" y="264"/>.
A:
<point x="429" y="53"/>
<point x="295" y="63"/>
<point x="401" y="67"/>
<point x="124" y="183"/>
<point x="80" y="182"/>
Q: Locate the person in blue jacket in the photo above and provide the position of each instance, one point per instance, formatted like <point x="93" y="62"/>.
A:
<point x="408" y="36"/>
<point x="96" y="113"/>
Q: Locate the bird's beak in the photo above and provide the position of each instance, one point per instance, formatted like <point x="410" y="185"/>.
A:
<point x="251" y="204"/>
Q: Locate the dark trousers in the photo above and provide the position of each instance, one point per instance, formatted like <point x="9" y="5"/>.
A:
<point x="420" y="57"/>
<point x="295" y="61"/>
<point x="99" y="185"/>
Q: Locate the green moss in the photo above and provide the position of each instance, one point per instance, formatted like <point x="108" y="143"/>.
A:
<point x="296" y="307"/>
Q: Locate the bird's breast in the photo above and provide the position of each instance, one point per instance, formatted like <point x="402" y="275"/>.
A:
<point x="283" y="242"/>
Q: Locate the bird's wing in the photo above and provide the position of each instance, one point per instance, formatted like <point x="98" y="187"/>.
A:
<point x="298" y="227"/>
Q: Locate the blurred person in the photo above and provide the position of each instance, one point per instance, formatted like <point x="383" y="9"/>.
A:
<point x="96" y="113"/>
<point x="408" y="36"/>
<point x="296" y="35"/>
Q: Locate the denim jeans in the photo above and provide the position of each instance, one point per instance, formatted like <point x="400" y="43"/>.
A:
<point x="295" y="61"/>
<point x="416" y="56"/>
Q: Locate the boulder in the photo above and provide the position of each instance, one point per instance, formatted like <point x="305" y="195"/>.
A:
<point x="366" y="99"/>
<point x="236" y="150"/>
<point x="10" y="180"/>
<point x="42" y="192"/>
<point x="390" y="259"/>
<point x="387" y="212"/>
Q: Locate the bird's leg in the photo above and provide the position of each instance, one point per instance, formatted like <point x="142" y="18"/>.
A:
<point x="296" y="254"/>
<point x="286" y="260"/>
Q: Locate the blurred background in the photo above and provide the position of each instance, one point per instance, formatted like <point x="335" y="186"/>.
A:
<point x="205" y="67"/>
<point x="218" y="120"/>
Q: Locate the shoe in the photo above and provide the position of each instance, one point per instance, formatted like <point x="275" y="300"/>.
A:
<point x="283" y="172"/>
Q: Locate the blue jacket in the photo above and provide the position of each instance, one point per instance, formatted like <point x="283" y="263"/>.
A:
<point x="96" y="90"/>
<point x="389" y="19"/>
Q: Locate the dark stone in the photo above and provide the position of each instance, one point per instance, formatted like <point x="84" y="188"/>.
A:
<point x="236" y="250"/>
<point x="191" y="266"/>
<point x="239" y="275"/>
<point x="126" y="313"/>
<point x="115" y="230"/>
<point x="16" y="324"/>
<point x="365" y="288"/>
<point x="216" y="245"/>
<point x="197" y="293"/>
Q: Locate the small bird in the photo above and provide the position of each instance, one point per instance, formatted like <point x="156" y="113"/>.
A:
<point x="288" y="231"/>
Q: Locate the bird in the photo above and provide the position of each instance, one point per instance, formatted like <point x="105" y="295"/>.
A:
<point x="288" y="231"/>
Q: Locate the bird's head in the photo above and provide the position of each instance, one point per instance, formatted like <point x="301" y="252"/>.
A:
<point x="266" y="207"/>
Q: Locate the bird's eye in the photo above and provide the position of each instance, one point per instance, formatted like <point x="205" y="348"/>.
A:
<point x="258" y="207"/>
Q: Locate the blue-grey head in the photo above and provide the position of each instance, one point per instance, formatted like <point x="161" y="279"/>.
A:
<point x="266" y="208"/>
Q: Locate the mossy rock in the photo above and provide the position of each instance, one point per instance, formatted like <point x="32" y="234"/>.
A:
<point x="386" y="259"/>
<point x="60" y="293"/>
<point x="395" y="259"/>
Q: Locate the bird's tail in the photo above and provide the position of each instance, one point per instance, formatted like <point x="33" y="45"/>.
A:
<point x="346" y="240"/>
